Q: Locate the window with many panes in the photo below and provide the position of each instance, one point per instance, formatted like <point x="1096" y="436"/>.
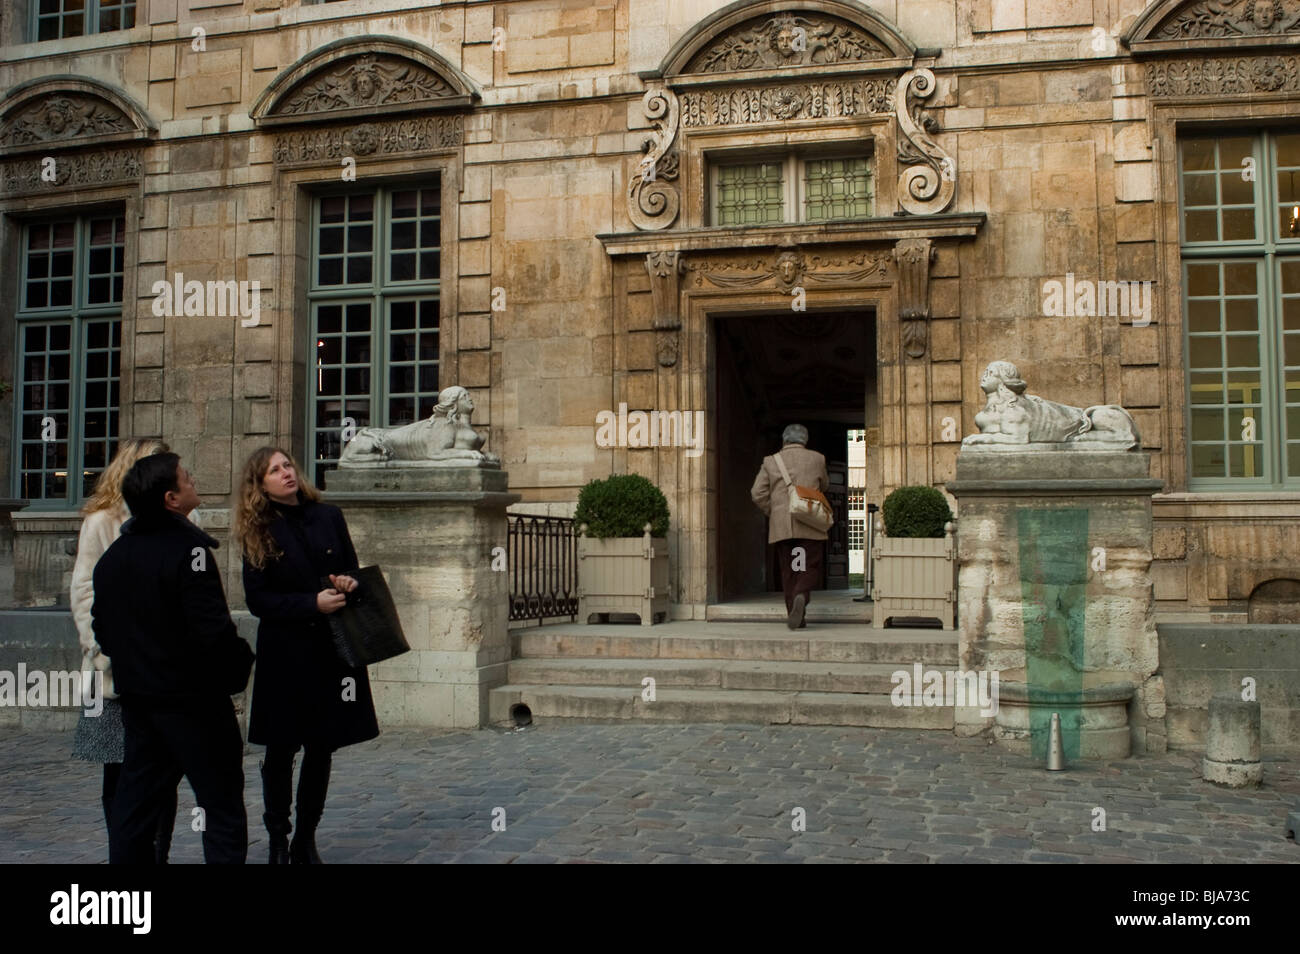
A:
<point x="856" y="532"/>
<point x="374" y="303"/>
<point x="790" y="188"/>
<point x="1240" y="230"/>
<point x="69" y="320"/>
<point x="56" y="19"/>
<point x="857" y="499"/>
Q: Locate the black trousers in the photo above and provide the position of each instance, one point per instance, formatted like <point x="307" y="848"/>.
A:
<point x="166" y="814"/>
<point x="800" y="581"/>
<point x="200" y="742"/>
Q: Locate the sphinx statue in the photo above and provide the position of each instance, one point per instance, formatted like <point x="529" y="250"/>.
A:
<point x="445" y="436"/>
<point x="1012" y="417"/>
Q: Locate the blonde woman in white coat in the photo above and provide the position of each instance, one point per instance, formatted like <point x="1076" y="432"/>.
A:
<point x="100" y="738"/>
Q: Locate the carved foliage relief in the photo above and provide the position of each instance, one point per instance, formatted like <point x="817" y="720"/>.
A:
<point x="365" y="81"/>
<point x="1220" y="19"/>
<point x="381" y="138"/>
<point x="788" y="268"/>
<point x="52" y="119"/>
<point x="99" y="168"/>
<point x="791" y="101"/>
<point x="1224" y="75"/>
<point x="786" y="40"/>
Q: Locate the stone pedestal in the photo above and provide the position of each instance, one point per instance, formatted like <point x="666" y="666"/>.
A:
<point x="44" y="553"/>
<point x="1054" y="592"/>
<point x="433" y="529"/>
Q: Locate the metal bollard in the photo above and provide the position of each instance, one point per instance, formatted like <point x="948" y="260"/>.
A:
<point x="1055" y="751"/>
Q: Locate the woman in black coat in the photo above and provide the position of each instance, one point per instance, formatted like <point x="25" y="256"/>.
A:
<point x="297" y="553"/>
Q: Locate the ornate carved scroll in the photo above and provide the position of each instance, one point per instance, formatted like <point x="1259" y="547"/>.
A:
<point x="665" y="270"/>
<point x="652" y="202"/>
<point x="786" y="40"/>
<point x="929" y="175"/>
<point x="914" y="257"/>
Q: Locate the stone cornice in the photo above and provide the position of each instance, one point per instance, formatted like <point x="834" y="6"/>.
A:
<point x="952" y="225"/>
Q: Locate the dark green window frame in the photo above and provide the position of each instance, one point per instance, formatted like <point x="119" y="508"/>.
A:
<point x="69" y="338"/>
<point x="62" y="19"/>
<point x="1241" y="308"/>
<point x="374" y="305"/>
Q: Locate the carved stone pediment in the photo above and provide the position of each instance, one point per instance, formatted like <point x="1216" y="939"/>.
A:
<point x="1182" y="25"/>
<point x="785" y="40"/>
<point x="371" y="77"/>
<point x="370" y="82"/>
<point x="67" y="112"/>
<point x="826" y="36"/>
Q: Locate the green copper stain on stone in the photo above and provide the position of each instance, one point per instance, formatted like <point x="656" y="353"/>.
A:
<point x="1053" y="586"/>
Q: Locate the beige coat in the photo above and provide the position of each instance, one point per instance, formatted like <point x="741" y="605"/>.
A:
<point x="98" y="531"/>
<point x="807" y="469"/>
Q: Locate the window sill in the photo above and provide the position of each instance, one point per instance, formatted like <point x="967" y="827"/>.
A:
<point x="44" y="49"/>
<point x="842" y="231"/>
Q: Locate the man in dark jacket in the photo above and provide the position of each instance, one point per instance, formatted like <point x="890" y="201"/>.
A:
<point x="161" y="614"/>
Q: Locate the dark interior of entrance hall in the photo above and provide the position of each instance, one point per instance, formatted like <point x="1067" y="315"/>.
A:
<point x="810" y="368"/>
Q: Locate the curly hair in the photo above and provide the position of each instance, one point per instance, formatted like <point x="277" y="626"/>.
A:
<point x="108" y="488"/>
<point x="253" y="511"/>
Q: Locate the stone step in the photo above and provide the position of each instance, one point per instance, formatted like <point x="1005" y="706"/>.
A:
<point x="783" y="676"/>
<point x="760" y="707"/>
<point x="739" y="641"/>
<point x="838" y="609"/>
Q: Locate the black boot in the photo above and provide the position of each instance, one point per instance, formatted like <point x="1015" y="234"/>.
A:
<point x="313" y="783"/>
<point x="276" y="789"/>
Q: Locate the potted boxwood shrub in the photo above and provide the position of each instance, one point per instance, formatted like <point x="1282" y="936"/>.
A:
<point x="915" y="558"/>
<point x="623" y="549"/>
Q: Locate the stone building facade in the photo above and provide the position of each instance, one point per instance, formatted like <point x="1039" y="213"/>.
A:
<point x="824" y="210"/>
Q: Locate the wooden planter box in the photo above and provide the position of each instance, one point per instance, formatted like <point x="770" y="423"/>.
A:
<point x="623" y="575"/>
<point x="915" y="577"/>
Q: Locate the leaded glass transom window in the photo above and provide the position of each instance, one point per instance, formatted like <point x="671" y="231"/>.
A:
<point x="791" y="188"/>
<point x="837" y="188"/>
<point x="69" y="356"/>
<point x="1241" y="288"/>
<point x="374" y="303"/>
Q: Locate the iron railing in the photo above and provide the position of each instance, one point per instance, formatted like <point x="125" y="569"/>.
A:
<point x="543" y="564"/>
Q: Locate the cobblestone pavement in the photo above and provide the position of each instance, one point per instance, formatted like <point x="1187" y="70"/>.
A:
<point x="699" y="793"/>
